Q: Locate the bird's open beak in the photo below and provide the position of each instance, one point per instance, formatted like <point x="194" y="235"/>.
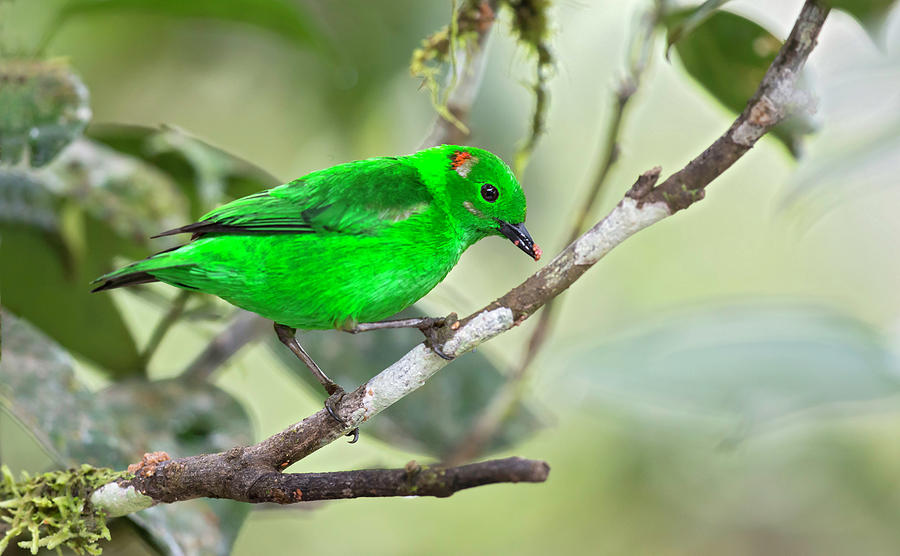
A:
<point x="520" y="238"/>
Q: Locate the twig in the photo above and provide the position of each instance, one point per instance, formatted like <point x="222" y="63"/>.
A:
<point x="164" y="325"/>
<point x="245" y="328"/>
<point x="643" y="205"/>
<point x="222" y="477"/>
<point x="500" y="406"/>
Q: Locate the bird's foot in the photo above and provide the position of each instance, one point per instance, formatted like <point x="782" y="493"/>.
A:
<point x="336" y="396"/>
<point x="436" y="331"/>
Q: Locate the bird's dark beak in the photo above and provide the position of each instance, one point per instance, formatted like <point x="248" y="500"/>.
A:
<point x="520" y="238"/>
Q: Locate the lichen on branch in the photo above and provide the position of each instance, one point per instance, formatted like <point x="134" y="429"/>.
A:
<point x="53" y="508"/>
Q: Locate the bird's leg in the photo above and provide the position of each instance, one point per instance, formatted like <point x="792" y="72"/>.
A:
<point x="427" y="325"/>
<point x="286" y="335"/>
<point x="421" y="323"/>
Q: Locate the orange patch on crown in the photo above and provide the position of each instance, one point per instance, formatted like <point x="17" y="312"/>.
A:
<point x="460" y="158"/>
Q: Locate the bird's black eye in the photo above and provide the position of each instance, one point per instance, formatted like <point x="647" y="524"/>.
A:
<point x="489" y="193"/>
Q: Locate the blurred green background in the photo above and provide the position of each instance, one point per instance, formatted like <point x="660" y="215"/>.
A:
<point x="724" y="383"/>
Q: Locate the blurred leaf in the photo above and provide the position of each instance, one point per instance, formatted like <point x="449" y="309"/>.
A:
<point x="870" y="13"/>
<point x="858" y="151"/>
<point x="207" y="175"/>
<point x="729" y="55"/>
<point x="25" y="201"/>
<point x="52" y="292"/>
<point x="115" y="426"/>
<point x="282" y="17"/>
<point x="89" y="206"/>
<point x="176" y="416"/>
<point x="79" y="212"/>
<point x="181" y="418"/>
<point x="433" y="419"/>
<point x="136" y="199"/>
<point x="38" y="387"/>
<point x="688" y="20"/>
<point x="749" y="364"/>
<point x="193" y="527"/>
<point x="43" y="106"/>
<point x="850" y="165"/>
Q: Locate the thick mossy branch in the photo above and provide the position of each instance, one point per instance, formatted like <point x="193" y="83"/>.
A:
<point x="53" y="509"/>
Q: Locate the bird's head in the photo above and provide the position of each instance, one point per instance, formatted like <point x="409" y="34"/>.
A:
<point x="481" y="193"/>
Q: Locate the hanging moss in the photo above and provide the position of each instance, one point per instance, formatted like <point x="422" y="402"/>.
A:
<point x="53" y="509"/>
<point x="439" y="49"/>
<point x="531" y="26"/>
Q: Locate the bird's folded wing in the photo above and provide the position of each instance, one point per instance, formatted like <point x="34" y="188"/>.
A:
<point x="354" y="198"/>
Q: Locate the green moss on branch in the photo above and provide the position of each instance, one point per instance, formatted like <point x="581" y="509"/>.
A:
<point x="53" y="509"/>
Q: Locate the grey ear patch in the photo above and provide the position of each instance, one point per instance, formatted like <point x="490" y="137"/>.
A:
<point x="471" y="208"/>
<point x="466" y="167"/>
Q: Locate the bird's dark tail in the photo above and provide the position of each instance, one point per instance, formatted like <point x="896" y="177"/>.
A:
<point x="123" y="280"/>
<point x="142" y="272"/>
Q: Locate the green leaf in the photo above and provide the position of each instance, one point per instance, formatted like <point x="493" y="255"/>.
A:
<point x="746" y="364"/>
<point x="282" y="17"/>
<point x="870" y="13"/>
<point x="206" y="175"/>
<point x="79" y="213"/>
<point x="728" y="55"/>
<point x="62" y="227"/>
<point x="685" y="21"/>
<point x="43" y="107"/>
<point x="43" y="283"/>
<point x="433" y="419"/>
<point x="115" y="426"/>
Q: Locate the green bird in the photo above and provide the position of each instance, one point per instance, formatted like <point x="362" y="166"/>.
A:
<point x="347" y="246"/>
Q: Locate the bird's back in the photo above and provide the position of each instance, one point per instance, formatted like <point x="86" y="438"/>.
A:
<point x="316" y="281"/>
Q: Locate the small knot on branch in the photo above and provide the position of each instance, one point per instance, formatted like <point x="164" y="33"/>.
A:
<point x="147" y="466"/>
<point x="644" y="184"/>
<point x="412" y="469"/>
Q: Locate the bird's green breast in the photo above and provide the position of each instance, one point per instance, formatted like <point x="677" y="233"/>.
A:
<point x="321" y="280"/>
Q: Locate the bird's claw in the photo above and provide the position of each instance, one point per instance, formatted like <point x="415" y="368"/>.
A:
<point x="339" y="394"/>
<point x="438" y="350"/>
<point x="355" y="434"/>
<point x="434" y="338"/>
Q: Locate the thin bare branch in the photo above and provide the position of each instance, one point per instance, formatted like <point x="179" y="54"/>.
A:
<point x="176" y="309"/>
<point x="244" y="329"/>
<point x="221" y="477"/>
